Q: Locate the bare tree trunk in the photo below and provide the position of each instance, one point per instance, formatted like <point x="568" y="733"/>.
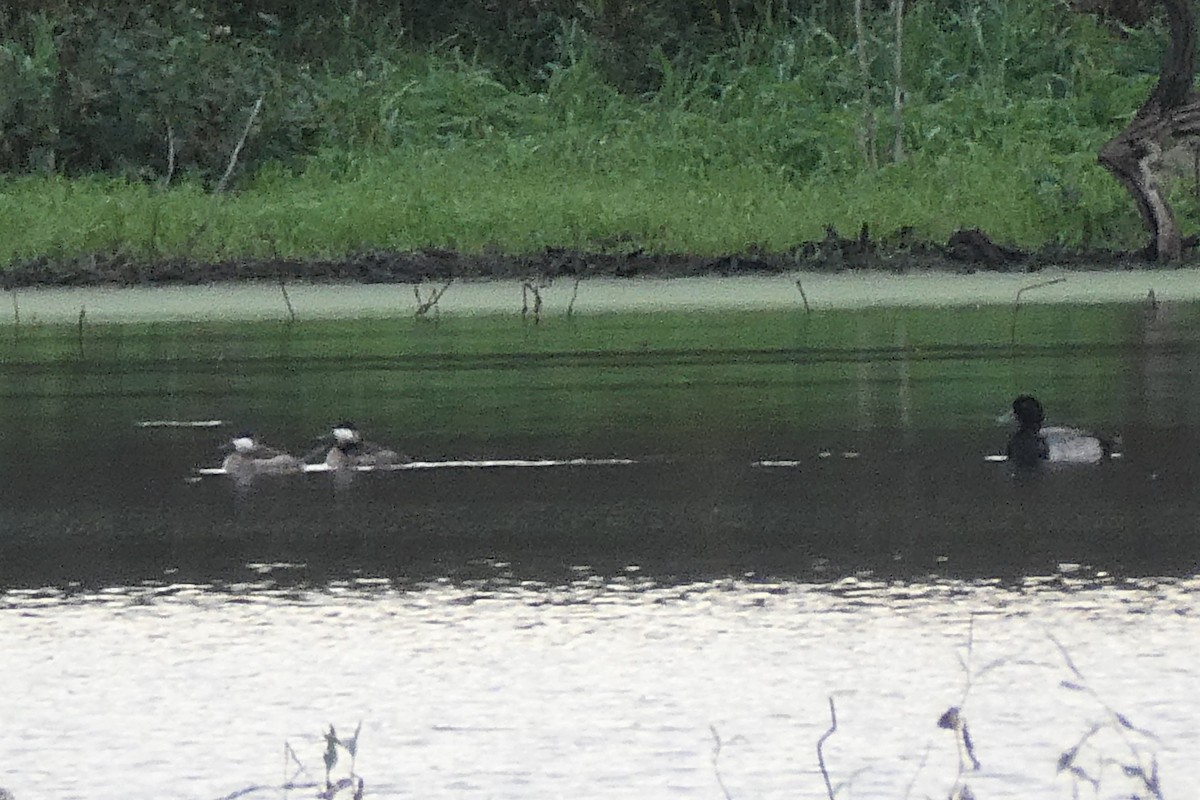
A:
<point x="867" y="139"/>
<point x="1172" y="111"/>
<point x="898" y="84"/>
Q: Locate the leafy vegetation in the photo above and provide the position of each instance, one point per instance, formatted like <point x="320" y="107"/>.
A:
<point x="708" y="127"/>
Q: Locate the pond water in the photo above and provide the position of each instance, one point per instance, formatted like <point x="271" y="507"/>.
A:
<point x="808" y="513"/>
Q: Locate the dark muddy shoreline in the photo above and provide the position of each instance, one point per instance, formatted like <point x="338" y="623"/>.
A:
<point x="966" y="251"/>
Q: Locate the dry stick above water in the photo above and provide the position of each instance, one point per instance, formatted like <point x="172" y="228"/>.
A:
<point x="424" y="305"/>
<point x="287" y="300"/>
<point x="574" y="294"/>
<point x="821" y="744"/>
<point x="1012" y="335"/>
<point x="281" y="277"/>
<point x="803" y="296"/>
<point x="917" y="772"/>
<point x="1133" y="768"/>
<point x="79" y="330"/>
<point x="530" y="287"/>
<point x="716" y="756"/>
<point x="351" y="787"/>
<point x="954" y="720"/>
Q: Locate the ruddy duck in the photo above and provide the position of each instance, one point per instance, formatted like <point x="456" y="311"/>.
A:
<point x="350" y="450"/>
<point x="1031" y="443"/>
<point x="250" y="458"/>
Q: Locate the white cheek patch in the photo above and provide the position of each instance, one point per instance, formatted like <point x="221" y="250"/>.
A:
<point x="345" y="435"/>
<point x="243" y="444"/>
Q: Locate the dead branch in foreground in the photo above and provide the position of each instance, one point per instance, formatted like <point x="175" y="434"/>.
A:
<point x="820" y="748"/>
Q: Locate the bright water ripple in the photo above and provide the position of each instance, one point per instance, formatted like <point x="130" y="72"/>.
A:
<point x="604" y="686"/>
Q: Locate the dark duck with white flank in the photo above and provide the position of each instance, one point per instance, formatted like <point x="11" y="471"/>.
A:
<point x="1032" y="444"/>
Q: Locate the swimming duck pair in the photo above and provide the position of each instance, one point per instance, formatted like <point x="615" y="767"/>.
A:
<point x="343" y="448"/>
<point x="1031" y="443"/>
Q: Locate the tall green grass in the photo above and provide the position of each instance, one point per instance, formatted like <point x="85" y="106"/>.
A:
<point x="513" y="197"/>
<point x="754" y="147"/>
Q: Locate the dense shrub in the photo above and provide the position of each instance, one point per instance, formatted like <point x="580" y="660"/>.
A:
<point x="130" y="91"/>
<point x="144" y="90"/>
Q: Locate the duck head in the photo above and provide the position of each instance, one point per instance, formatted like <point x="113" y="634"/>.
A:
<point x="346" y="435"/>
<point x="243" y="442"/>
<point x="1028" y="413"/>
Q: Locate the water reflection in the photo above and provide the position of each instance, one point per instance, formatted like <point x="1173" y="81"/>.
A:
<point x="673" y="442"/>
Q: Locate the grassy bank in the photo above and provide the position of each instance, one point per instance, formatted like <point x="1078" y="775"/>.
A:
<point x="756" y="144"/>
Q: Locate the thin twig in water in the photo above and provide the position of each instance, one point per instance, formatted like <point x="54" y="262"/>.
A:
<point x="286" y="787"/>
<point x="300" y="768"/>
<point x="1118" y="722"/>
<point x="271" y="240"/>
<point x="329" y="789"/>
<point x="954" y="720"/>
<point x="527" y="288"/>
<point x="965" y="733"/>
<point x="237" y="150"/>
<point x="574" y="294"/>
<point x="966" y="662"/>
<point x="79" y="328"/>
<point x="1066" y="656"/>
<point x="331" y="755"/>
<point x="1024" y="289"/>
<point x="821" y="745"/>
<point x="287" y="300"/>
<point x="803" y="296"/>
<point x="16" y="310"/>
<point x="423" y="306"/>
<point x="246" y="791"/>
<point x="716" y="755"/>
<point x="351" y="746"/>
<point x="1012" y="334"/>
<point x="917" y="773"/>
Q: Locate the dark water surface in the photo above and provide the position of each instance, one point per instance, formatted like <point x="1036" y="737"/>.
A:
<point x="574" y="631"/>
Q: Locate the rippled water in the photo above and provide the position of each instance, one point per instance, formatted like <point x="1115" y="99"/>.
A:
<point x="595" y="630"/>
<point x="604" y="686"/>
